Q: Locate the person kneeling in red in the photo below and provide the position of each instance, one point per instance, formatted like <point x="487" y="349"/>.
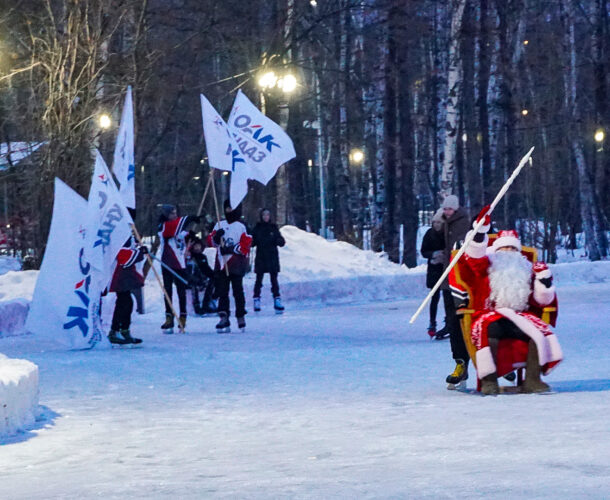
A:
<point x="508" y="294"/>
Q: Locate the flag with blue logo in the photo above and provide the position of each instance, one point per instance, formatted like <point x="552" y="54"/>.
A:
<point x="263" y="143"/>
<point x="65" y="305"/>
<point x="124" y="160"/>
<point x="222" y="152"/>
<point x="108" y="222"/>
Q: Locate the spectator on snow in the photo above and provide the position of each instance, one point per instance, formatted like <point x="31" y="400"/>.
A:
<point x="172" y="233"/>
<point x="433" y="249"/>
<point x="266" y="237"/>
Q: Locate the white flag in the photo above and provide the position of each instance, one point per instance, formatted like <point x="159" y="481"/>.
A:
<point x="222" y="154"/>
<point x="108" y="221"/>
<point x="65" y="306"/>
<point x="124" y="160"/>
<point x="261" y="141"/>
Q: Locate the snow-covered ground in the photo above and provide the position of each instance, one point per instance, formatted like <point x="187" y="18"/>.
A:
<point x="18" y="395"/>
<point x="336" y="402"/>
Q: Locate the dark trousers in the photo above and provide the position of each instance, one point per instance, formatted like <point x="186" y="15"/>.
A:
<point x="121" y="319"/>
<point x="139" y="296"/>
<point x="458" y="348"/>
<point x="505" y="329"/>
<point x="434" y="307"/>
<point x="168" y="280"/>
<point x="202" y="305"/>
<point x="223" y="282"/>
<point x="258" y="284"/>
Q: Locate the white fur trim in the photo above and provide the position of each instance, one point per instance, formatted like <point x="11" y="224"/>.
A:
<point x="476" y="250"/>
<point x="527" y="327"/>
<point x="542" y="294"/>
<point x="544" y="274"/>
<point x="556" y="354"/>
<point x="485" y="362"/>
<point x="507" y="241"/>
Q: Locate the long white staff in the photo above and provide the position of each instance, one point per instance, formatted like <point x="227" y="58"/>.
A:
<point x="454" y="261"/>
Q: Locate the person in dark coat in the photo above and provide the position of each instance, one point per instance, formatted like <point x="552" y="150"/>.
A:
<point x="200" y="277"/>
<point x="266" y="237"/>
<point x="125" y="279"/>
<point x="433" y="249"/>
<point x="456" y="225"/>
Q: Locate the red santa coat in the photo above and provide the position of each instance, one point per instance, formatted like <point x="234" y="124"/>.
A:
<point x="474" y="271"/>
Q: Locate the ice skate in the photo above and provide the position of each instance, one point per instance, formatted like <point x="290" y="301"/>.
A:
<point x="277" y="305"/>
<point x="129" y="340"/>
<point x="257" y="304"/>
<point x="182" y="323"/>
<point x="168" y="326"/>
<point x="457" y="379"/>
<point x="241" y="323"/>
<point x="442" y="334"/>
<point x="115" y="339"/>
<point x="224" y="325"/>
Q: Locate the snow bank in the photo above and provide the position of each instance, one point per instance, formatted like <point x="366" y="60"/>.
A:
<point x="9" y="264"/>
<point x="18" y="395"/>
<point x="16" y="289"/>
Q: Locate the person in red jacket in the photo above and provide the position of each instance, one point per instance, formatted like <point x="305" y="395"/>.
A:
<point x="233" y="243"/>
<point x="508" y="294"/>
<point x="172" y="233"/>
<point x="125" y="279"/>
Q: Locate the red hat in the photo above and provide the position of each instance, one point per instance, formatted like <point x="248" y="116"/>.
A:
<point x="508" y="238"/>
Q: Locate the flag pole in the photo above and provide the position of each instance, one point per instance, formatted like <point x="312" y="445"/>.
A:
<point x="473" y="233"/>
<point x="150" y="263"/>
<point x="205" y="193"/>
<point x="217" y="216"/>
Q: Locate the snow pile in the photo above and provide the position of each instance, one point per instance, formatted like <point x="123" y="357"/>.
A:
<point x="16" y="289"/>
<point x="317" y="270"/>
<point x="9" y="264"/>
<point x="18" y="395"/>
<point x="581" y="272"/>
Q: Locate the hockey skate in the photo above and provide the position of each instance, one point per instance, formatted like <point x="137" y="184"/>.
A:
<point x="241" y="323"/>
<point x="257" y="304"/>
<point x="457" y="380"/>
<point x="168" y="326"/>
<point x="224" y="325"/>
<point x="131" y="341"/>
<point x="442" y="334"/>
<point x="182" y="323"/>
<point x="277" y="305"/>
<point x="115" y="339"/>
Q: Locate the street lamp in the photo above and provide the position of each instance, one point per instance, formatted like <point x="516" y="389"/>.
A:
<point x="356" y="156"/>
<point x="524" y="112"/>
<point x="104" y="121"/>
<point x="288" y="83"/>
<point x="600" y="135"/>
<point x="268" y="80"/>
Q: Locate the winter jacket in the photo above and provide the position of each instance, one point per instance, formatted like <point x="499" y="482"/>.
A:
<point x="266" y="237"/>
<point x="173" y="246"/>
<point x="233" y="247"/>
<point x="433" y="241"/>
<point x="455" y="229"/>
<point x="198" y="269"/>
<point x="126" y="276"/>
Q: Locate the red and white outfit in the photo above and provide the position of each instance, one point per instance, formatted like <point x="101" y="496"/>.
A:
<point x="126" y="275"/>
<point x="173" y="245"/>
<point x="519" y="299"/>
<point x="237" y="242"/>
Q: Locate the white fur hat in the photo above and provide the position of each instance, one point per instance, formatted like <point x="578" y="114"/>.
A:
<point x="508" y="238"/>
<point x="451" y="201"/>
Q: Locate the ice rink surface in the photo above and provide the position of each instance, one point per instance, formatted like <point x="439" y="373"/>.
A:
<point x="339" y="402"/>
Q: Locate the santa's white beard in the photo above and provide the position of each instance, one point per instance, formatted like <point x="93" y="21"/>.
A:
<point x="510" y="277"/>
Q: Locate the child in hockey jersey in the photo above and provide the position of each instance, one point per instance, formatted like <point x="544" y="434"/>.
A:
<point x="232" y="242"/>
<point x="125" y="279"/>
<point x="200" y="277"/>
<point x="172" y="233"/>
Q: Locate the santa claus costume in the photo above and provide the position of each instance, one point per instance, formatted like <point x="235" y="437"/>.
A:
<point x="508" y="293"/>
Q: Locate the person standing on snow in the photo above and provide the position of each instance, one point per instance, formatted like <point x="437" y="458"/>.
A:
<point x="232" y="242"/>
<point x="125" y="280"/>
<point x="172" y="233"/>
<point x="433" y="249"/>
<point x="456" y="225"/>
<point x="266" y="237"/>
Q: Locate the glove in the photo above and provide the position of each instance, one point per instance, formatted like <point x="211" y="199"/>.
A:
<point x="227" y="249"/>
<point x="543" y="274"/>
<point x="483" y="215"/>
<point x="218" y="235"/>
<point x="144" y="249"/>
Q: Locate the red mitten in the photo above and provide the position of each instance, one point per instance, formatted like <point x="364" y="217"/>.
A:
<point x="543" y="274"/>
<point x="483" y="215"/>
<point x="539" y="267"/>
